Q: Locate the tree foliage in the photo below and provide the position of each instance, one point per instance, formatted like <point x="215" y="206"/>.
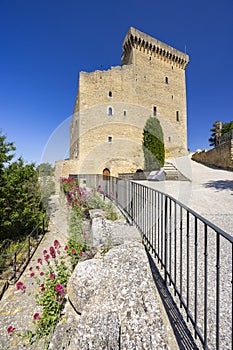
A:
<point x="46" y="181"/>
<point x="227" y="127"/>
<point x="45" y="169"/>
<point x="153" y="145"/>
<point x="215" y="133"/>
<point x="219" y="129"/>
<point x="20" y="202"/>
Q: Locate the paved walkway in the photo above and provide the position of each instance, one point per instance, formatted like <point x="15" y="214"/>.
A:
<point x="17" y="309"/>
<point x="209" y="193"/>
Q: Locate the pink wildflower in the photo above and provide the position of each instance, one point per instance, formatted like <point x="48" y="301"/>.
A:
<point x="60" y="289"/>
<point x="39" y="261"/>
<point x="32" y="274"/>
<point x="36" y="316"/>
<point x="52" y="276"/>
<point x="45" y="252"/>
<point x="47" y="257"/>
<point x="42" y="287"/>
<point x="20" y="286"/>
<point x="30" y="268"/>
<point x="73" y="251"/>
<point x="66" y="248"/>
<point x="37" y="267"/>
<point x="52" y="252"/>
<point x="10" y="330"/>
<point x="56" y="244"/>
<point x="42" y="273"/>
<point x="81" y="253"/>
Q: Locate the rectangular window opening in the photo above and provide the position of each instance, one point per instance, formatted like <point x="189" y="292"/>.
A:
<point x="154" y="111"/>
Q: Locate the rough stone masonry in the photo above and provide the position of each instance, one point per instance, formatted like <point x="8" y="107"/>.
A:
<point x="114" y="303"/>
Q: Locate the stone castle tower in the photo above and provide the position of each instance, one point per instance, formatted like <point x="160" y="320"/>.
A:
<point x="112" y="107"/>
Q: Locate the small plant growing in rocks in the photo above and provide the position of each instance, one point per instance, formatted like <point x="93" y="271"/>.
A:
<point x="51" y="275"/>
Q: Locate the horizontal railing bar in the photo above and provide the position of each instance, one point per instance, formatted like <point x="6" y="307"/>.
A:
<point x="191" y="211"/>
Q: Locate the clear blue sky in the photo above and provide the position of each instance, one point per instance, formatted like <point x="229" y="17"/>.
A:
<point x="46" y="43"/>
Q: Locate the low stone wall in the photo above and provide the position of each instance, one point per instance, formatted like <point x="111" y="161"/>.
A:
<point x="221" y="156"/>
<point x="113" y="301"/>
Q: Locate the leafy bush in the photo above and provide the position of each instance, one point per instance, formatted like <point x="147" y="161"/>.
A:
<point x="20" y="201"/>
<point x="153" y="145"/>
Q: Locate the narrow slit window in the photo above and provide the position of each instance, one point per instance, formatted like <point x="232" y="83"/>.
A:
<point x="166" y="80"/>
<point x="110" y="94"/>
<point x="154" y="111"/>
<point x="109" y="139"/>
<point x="124" y="113"/>
<point x="110" y="111"/>
<point x="177" y="116"/>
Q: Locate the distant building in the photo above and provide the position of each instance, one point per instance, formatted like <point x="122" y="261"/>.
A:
<point x="112" y="107"/>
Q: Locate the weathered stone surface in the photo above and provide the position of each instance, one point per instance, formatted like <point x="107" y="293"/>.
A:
<point x="221" y="156"/>
<point x="107" y="234"/>
<point x="84" y="282"/>
<point x="118" y="303"/>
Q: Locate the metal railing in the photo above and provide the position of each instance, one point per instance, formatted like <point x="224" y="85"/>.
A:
<point x="13" y="264"/>
<point x="195" y="256"/>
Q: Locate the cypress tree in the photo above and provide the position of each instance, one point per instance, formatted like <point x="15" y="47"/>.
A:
<point x="153" y="145"/>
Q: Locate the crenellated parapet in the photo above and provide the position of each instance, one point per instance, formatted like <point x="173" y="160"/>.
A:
<point x="135" y="39"/>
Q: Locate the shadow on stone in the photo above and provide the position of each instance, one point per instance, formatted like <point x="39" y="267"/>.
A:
<point x="182" y="333"/>
<point x="220" y="185"/>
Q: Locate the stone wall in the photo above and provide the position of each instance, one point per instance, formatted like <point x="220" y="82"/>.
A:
<point x="63" y="168"/>
<point x="221" y="156"/>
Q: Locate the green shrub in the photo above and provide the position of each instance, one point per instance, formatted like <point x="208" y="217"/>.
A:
<point x="153" y="145"/>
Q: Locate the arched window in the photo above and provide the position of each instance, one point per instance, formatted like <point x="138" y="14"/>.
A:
<point x="110" y="94"/>
<point x="110" y="111"/>
<point x="106" y="174"/>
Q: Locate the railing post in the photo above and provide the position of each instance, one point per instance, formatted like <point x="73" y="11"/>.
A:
<point x="43" y="226"/>
<point x="165" y="241"/>
<point x="15" y="261"/>
<point x="29" y="247"/>
<point x="117" y="190"/>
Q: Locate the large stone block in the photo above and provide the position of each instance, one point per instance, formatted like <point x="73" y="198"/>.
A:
<point x="118" y="302"/>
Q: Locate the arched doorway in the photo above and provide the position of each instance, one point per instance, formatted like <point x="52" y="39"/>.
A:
<point x="106" y="174"/>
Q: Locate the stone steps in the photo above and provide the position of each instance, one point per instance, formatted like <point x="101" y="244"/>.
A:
<point x="172" y="173"/>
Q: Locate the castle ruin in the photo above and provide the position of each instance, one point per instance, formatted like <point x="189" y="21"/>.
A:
<point x="112" y="107"/>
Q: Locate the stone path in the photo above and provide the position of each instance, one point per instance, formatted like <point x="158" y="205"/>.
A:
<point x="17" y="309"/>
